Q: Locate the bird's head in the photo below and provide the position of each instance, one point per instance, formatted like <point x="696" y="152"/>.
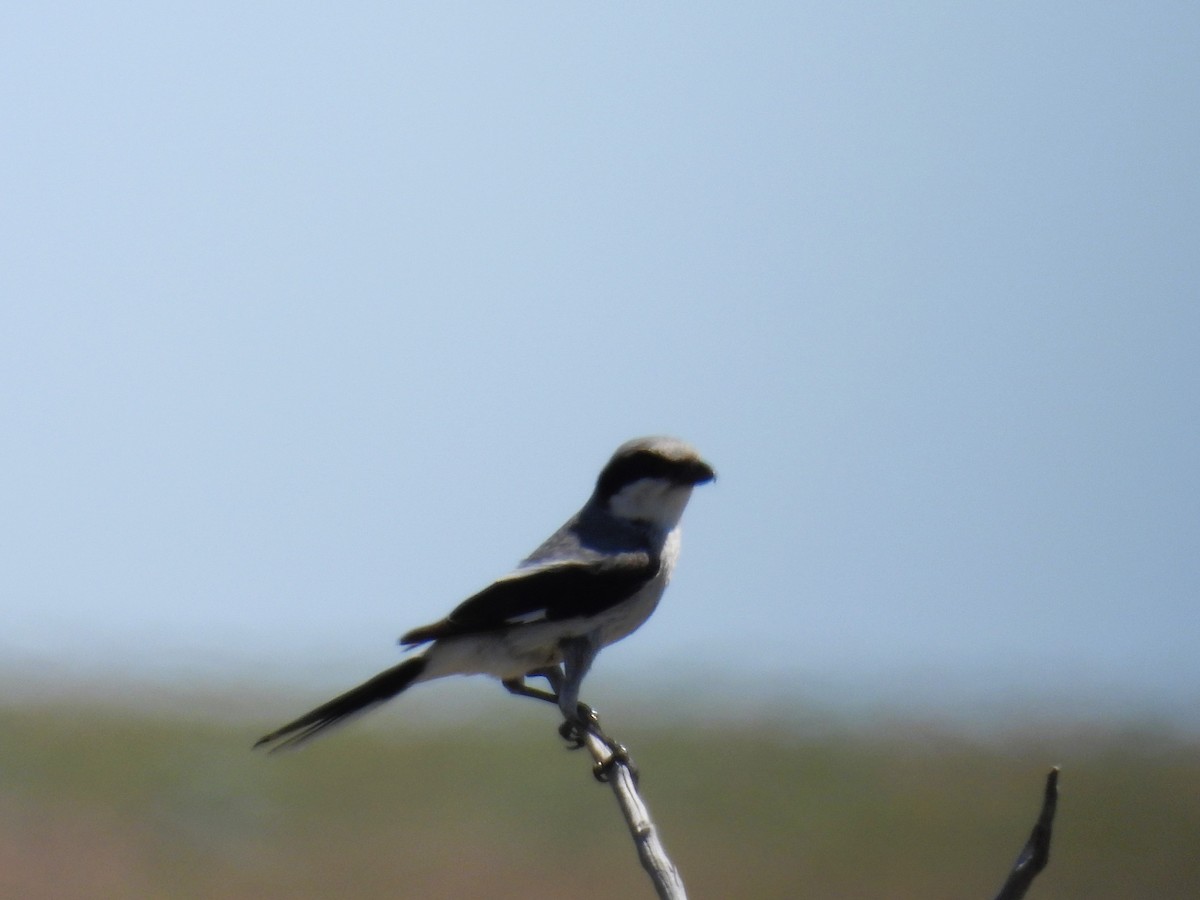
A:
<point x="650" y="480"/>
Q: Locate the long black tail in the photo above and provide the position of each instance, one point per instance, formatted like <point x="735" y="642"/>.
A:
<point x="382" y="687"/>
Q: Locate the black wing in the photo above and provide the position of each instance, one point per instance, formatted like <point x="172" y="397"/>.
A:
<point x="545" y="593"/>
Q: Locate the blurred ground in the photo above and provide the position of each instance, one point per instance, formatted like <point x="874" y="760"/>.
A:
<point x="98" y="801"/>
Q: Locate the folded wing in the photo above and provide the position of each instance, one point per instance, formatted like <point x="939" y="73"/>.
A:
<point x="544" y="593"/>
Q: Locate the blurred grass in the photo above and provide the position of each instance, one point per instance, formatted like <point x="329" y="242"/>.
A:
<point x="102" y="802"/>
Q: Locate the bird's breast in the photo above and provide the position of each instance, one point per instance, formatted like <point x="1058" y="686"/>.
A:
<point x="625" y="618"/>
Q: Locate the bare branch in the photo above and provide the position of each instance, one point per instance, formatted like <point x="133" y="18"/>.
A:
<point x="1036" y="852"/>
<point x="618" y="774"/>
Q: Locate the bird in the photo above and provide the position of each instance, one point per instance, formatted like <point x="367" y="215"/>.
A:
<point x="593" y="582"/>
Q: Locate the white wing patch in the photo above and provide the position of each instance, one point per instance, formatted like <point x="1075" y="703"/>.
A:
<point x="537" y="615"/>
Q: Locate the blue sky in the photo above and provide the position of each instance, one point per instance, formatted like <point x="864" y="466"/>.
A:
<point x="315" y="321"/>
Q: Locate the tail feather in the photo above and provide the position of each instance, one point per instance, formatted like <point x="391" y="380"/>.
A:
<point x="367" y="695"/>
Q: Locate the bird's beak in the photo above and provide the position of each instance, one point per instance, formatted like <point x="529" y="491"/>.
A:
<point x="702" y="472"/>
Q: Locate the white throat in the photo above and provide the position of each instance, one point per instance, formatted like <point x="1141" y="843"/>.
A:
<point x="651" y="500"/>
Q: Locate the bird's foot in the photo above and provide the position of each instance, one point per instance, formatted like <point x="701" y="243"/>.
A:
<point x="618" y="756"/>
<point x="574" y="731"/>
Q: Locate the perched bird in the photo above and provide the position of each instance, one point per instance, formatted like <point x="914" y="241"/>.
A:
<point x="591" y="583"/>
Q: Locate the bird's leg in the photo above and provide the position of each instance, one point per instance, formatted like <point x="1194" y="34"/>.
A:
<point x="521" y="689"/>
<point x="554" y="675"/>
<point x="578" y="654"/>
<point x="573" y="729"/>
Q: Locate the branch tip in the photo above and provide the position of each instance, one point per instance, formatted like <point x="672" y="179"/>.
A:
<point x="1036" y="853"/>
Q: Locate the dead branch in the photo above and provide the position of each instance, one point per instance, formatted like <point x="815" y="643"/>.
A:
<point x="1036" y="852"/>
<point x="615" y="770"/>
